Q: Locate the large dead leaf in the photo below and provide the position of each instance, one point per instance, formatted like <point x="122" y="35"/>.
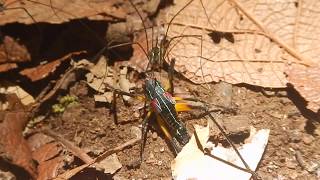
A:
<point x="59" y="11"/>
<point x="14" y="146"/>
<point x="242" y="41"/>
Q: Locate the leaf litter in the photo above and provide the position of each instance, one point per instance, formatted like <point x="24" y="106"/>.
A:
<point x="258" y="57"/>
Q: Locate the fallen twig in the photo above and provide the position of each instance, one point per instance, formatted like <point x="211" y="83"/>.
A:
<point x="72" y="172"/>
<point x="69" y="145"/>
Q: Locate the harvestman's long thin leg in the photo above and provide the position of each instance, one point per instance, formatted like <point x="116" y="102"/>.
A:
<point x="230" y="142"/>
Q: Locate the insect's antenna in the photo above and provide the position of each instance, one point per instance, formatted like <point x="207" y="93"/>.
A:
<point x="176" y="16"/>
<point x="144" y="26"/>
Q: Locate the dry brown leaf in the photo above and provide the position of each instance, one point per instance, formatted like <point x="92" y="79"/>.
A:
<point x="12" y="52"/>
<point x="7" y="66"/>
<point x="7" y="87"/>
<point x="15" y="147"/>
<point x="46" y="152"/>
<point x="251" y="42"/>
<point x="307" y="82"/>
<point x="60" y="11"/>
<point x="100" y="75"/>
<point x="50" y="169"/>
<point x="42" y="71"/>
<point x="37" y="140"/>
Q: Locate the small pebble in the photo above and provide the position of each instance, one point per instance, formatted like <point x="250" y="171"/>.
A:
<point x="136" y="114"/>
<point x="295" y="136"/>
<point x="293" y="175"/>
<point x="154" y="136"/>
<point x="162" y="149"/>
<point x="290" y="164"/>
<point x="307" y="139"/>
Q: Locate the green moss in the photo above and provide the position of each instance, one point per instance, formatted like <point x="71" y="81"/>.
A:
<point x="64" y="102"/>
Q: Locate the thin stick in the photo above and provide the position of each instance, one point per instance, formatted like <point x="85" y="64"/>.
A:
<point x="69" y="145"/>
<point x="74" y="171"/>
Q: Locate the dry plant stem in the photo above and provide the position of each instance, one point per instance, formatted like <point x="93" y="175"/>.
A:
<point x="42" y="98"/>
<point x="69" y="145"/>
<point x="273" y="37"/>
<point x="74" y="171"/>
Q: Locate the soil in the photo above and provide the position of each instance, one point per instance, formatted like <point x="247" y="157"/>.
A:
<point x="290" y="131"/>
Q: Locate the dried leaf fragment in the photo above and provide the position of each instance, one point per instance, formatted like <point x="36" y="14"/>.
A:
<point x="10" y="88"/>
<point x="50" y="169"/>
<point x="191" y="163"/>
<point x="42" y="71"/>
<point x="46" y="152"/>
<point x="307" y="82"/>
<point x="11" y="51"/>
<point x="110" y="164"/>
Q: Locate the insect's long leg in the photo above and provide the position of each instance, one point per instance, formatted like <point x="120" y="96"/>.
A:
<point x="171" y="75"/>
<point x="144" y="129"/>
<point x="144" y="26"/>
<point x="186" y="107"/>
<point x="114" y="103"/>
<point x="186" y="5"/>
<point x="208" y="153"/>
<point x="230" y="142"/>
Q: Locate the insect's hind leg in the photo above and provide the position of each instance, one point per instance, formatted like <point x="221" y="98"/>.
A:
<point x="248" y="169"/>
<point x="144" y="129"/>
